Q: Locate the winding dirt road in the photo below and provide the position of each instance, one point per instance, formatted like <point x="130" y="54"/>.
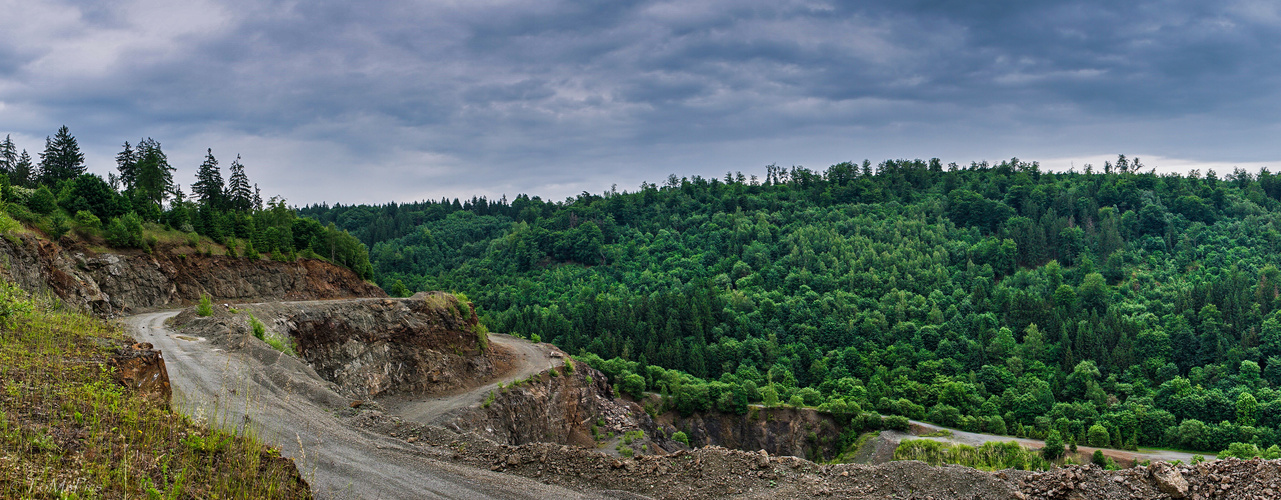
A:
<point x="530" y="359"/>
<point x="278" y="398"/>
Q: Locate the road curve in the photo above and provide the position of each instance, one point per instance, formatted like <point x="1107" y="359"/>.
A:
<point x="263" y="393"/>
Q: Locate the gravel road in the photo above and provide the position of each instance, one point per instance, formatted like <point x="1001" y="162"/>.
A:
<point x="530" y="359"/>
<point x="280" y="399"/>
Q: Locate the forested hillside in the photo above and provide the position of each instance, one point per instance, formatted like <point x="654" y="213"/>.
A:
<point x="140" y="204"/>
<point x="1117" y="306"/>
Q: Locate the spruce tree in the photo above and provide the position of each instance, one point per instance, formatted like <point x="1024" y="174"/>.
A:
<point x="127" y="165"/>
<point x="22" y="171"/>
<point x="154" y="182"/>
<point x="208" y="187"/>
<point x="8" y="156"/>
<point x="239" y="196"/>
<point x="61" y="159"/>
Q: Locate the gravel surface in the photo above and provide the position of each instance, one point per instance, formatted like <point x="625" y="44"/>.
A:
<point x="280" y="399"/>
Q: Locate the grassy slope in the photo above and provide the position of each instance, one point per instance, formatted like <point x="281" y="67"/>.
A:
<point x="68" y="430"/>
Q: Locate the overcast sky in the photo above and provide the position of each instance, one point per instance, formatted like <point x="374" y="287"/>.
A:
<point x="389" y="100"/>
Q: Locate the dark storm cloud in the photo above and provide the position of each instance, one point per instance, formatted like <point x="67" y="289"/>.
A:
<point x="426" y="99"/>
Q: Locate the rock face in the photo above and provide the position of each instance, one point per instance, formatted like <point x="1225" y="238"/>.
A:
<point x="558" y="409"/>
<point x="780" y="431"/>
<point x="422" y="345"/>
<point x="367" y="348"/>
<point x="115" y="283"/>
<point x="141" y="368"/>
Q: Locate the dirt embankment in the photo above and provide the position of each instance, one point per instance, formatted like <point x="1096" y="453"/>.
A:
<point x="129" y="280"/>
<point x="799" y="432"/>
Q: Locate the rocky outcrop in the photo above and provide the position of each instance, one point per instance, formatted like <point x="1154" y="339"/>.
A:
<point x="142" y="368"/>
<point x="799" y="432"/>
<point x="368" y="348"/>
<point x="562" y="409"/>
<point x="127" y="281"/>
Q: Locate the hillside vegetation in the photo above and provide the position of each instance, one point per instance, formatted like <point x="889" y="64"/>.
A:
<point x="69" y="430"/>
<point x="1116" y="306"/>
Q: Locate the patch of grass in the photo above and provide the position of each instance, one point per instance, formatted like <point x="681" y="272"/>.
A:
<point x="259" y="330"/>
<point x="990" y="456"/>
<point x="938" y="434"/>
<point x="847" y="455"/>
<point x="68" y="430"/>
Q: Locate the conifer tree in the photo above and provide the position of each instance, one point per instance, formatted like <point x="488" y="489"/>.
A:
<point x="8" y="156"/>
<point x="61" y="159"/>
<point x="22" y="171"/>
<point x="154" y="182"/>
<point x="239" y="196"/>
<point x="208" y="187"/>
<point x="127" y="165"/>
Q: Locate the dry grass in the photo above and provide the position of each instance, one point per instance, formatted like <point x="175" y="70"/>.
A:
<point x="68" y="430"/>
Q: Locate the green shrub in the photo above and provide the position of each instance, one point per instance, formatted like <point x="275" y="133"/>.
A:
<point x="43" y="201"/>
<point x="259" y="329"/>
<point x="88" y="220"/>
<point x="1053" y="446"/>
<point x="250" y="253"/>
<point x="125" y="231"/>
<point x="57" y="226"/>
<point x="533" y="337"/>
<point x="569" y="366"/>
<point x="681" y="437"/>
<point x="989" y="456"/>
<point x="1098" y="459"/>
<point x="205" y="308"/>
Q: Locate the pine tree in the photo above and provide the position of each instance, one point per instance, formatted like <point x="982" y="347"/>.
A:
<point x="8" y="156"/>
<point x="257" y="198"/>
<point x="61" y="159"/>
<point x="208" y="187"/>
<point x="23" y="174"/>
<point x="240" y="197"/>
<point x="154" y="181"/>
<point x="127" y="165"/>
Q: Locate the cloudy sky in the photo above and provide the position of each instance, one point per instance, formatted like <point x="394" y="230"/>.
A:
<point x="390" y="100"/>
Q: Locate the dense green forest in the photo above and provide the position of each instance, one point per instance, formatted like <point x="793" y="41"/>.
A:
<point x="140" y="201"/>
<point x="1113" y="306"/>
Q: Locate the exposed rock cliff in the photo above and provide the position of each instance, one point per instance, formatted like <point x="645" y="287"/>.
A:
<point x="369" y="348"/>
<point x="575" y="406"/>
<point x="130" y="280"/>
<point x="798" y="432"/>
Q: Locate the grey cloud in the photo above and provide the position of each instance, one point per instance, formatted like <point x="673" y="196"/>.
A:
<point x="554" y="94"/>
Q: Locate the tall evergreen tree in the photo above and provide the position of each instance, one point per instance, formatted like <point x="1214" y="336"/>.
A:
<point x="8" y="156"/>
<point x="257" y="198"/>
<point x="23" y="174"/>
<point x="208" y="187"/>
<point x="61" y="159"/>
<point x="154" y="181"/>
<point x="240" y="197"/>
<point x="127" y="165"/>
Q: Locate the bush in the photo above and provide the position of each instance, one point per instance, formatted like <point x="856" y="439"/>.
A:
<point x="57" y="226"/>
<point x="1099" y="459"/>
<point x="88" y="220"/>
<point x="205" y="308"/>
<point x="1053" y="446"/>
<point x="680" y="437"/>
<point x="43" y="201"/>
<point x="125" y="231"/>
<point x="1099" y="437"/>
<point x="259" y="329"/>
<point x="250" y="253"/>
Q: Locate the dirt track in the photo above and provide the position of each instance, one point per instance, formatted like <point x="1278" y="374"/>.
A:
<point x="529" y="359"/>
<point x="278" y="398"/>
